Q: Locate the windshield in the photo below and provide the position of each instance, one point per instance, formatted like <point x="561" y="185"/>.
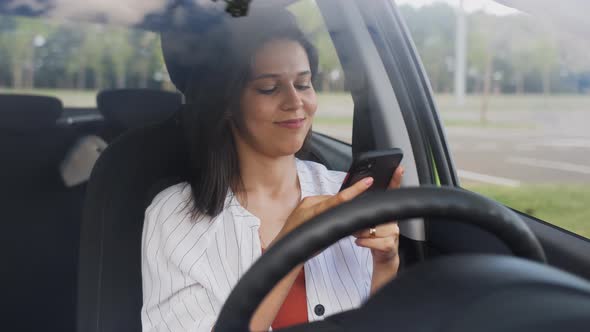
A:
<point x="511" y="80"/>
<point x="74" y="52"/>
<point x="73" y="61"/>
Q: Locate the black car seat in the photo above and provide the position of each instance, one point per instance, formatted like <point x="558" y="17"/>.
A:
<point x="40" y="217"/>
<point x="129" y="173"/>
<point x="125" y="109"/>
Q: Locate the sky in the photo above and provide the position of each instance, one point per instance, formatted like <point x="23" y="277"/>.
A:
<point x="489" y="6"/>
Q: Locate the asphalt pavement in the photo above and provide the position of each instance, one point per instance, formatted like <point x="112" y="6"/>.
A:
<point x="516" y="148"/>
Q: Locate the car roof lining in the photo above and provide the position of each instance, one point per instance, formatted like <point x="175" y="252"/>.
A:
<point x="154" y="15"/>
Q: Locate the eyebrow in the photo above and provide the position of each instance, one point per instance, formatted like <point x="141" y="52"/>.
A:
<point x="262" y="76"/>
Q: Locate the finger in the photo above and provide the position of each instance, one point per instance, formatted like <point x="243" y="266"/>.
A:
<point x="313" y="200"/>
<point x="390" y="229"/>
<point x="382" y="244"/>
<point x="343" y="196"/>
<point x="356" y="189"/>
<point x="396" y="178"/>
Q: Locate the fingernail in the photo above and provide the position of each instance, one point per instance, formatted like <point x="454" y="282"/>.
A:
<point x="368" y="181"/>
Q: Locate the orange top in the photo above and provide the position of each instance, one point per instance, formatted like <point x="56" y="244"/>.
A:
<point x="294" y="309"/>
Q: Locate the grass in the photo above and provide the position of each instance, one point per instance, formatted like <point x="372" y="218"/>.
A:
<point x="69" y="98"/>
<point x="342" y="100"/>
<point x="565" y="206"/>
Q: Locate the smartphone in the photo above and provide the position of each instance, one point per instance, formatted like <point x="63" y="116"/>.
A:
<point x="380" y="165"/>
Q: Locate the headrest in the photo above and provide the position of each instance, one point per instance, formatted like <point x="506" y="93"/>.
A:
<point x="28" y="112"/>
<point x="185" y="46"/>
<point x="202" y="33"/>
<point x="130" y="108"/>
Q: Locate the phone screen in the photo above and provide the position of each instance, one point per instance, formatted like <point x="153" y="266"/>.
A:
<point x="379" y="164"/>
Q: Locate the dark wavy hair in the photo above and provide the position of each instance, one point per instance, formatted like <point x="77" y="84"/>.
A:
<point x="213" y="98"/>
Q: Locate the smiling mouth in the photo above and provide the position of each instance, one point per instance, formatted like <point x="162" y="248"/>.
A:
<point x="292" y="124"/>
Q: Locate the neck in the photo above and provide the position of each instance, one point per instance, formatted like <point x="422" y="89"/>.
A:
<point x="264" y="175"/>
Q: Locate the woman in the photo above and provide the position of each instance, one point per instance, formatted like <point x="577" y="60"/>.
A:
<point x="249" y="111"/>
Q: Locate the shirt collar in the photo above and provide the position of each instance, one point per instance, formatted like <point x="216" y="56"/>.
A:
<point x="305" y="179"/>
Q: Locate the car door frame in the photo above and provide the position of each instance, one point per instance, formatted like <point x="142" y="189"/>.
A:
<point x="564" y="249"/>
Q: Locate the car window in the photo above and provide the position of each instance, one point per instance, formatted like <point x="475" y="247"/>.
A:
<point x="519" y="132"/>
<point x="335" y="105"/>
<point x="73" y="61"/>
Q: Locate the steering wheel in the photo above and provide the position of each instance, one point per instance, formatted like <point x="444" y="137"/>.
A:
<point x="367" y="211"/>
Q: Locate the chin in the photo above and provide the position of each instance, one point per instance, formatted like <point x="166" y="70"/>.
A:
<point x="287" y="149"/>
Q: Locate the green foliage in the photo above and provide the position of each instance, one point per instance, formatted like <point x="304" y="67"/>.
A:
<point x="120" y="51"/>
<point x="432" y="31"/>
<point x="18" y="48"/>
<point x="73" y="55"/>
<point x="525" y="54"/>
<point x="563" y="205"/>
<point x="87" y="56"/>
<point x="312" y="24"/>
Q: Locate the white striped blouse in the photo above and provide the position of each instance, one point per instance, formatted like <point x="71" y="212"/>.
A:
<point x="190" y="267"/>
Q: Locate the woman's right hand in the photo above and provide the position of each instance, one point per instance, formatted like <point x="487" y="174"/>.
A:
<point x="308" y="208"/>
<point x="314" y="205"/>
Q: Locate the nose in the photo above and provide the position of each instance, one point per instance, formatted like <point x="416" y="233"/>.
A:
<point x="292" y="100"/>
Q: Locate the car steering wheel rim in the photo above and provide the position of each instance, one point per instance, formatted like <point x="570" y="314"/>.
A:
<point x="367" y="211"/>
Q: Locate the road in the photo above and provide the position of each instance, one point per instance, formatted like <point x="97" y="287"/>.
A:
<point x="511" y="158"/>
<point x="521" y="147"/>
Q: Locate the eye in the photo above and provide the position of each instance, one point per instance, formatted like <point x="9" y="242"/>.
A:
<point x="267" y="91"/>
<point x="302" y="87"/>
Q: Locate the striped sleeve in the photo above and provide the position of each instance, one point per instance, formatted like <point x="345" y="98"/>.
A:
<point x="174" y="246"/>
<point x="365" y="259"/>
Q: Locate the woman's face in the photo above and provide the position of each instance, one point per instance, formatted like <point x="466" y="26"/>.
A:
<point x="278" y="102"/>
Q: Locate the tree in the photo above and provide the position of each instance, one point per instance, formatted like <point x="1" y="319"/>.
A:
<point x="60" y="56"/>
<point x="432" y="29"/>
<point x="484" y="42"/>
<point x="520" y="49"/>
<point x="91" y="57"/>
<point x="146" y="59"/>
<point x="545" y="59"/>
<point x="315" y="29"/>
<point x="119" y="51"/>
<point x="19" y="49"/>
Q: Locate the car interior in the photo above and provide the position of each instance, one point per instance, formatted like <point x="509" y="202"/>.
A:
<point x="76" y="182"/>
<point x="49" y="167"/>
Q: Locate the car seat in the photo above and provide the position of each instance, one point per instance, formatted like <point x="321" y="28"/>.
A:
<point x="128" y="174"/>
<point x="40" y="216"/>
<point x="124" y="109"/>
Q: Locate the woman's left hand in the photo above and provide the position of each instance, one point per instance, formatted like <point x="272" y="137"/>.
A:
<point x="384" y="239"/>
